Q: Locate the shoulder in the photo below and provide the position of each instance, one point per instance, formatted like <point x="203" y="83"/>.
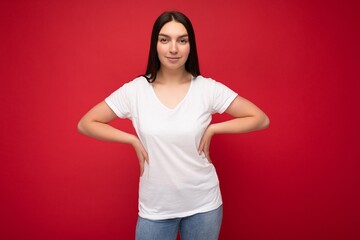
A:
<point x="132" y="87"/>
<point x="135" y="85"/>
<point x="204" y="82"/>
<point x="208" y="85"/>
<point x="138" y="82"/>
<point x="209" y="82"/>
<point x="212" y="87"/>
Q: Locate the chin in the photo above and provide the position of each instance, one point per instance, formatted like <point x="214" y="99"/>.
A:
<point x="178" y="67"/>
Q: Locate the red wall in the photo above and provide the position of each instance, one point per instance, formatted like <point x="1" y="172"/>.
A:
<point x="295" y="59"/>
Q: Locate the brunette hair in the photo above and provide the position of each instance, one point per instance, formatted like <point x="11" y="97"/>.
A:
<point x="192" y="63"/>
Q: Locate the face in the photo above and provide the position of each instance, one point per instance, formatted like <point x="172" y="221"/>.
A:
<point x="173" y="46"/>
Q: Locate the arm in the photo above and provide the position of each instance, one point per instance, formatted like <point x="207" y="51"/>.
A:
<point x="95" y="124"/>
<point x="247" y="117"/>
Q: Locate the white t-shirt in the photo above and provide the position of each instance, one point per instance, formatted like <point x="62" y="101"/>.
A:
<point x="177" y="182"/>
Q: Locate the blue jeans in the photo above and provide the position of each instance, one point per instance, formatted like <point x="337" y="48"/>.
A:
<point x="201" y="226"/>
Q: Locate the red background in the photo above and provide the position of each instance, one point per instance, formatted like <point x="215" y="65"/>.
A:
<point x="294" y="59"/>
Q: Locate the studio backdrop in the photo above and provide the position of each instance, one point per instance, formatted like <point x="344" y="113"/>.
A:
<point x="297" y="60"/>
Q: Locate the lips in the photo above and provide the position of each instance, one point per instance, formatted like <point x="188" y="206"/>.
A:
<point x="173" y="58"/>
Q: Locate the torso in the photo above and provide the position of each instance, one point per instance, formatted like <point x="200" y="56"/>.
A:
<point x="177" y="181"/>
<point x="170" y="93"/>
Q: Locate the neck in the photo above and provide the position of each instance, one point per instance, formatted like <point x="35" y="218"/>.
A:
<point x="172" y="76"/>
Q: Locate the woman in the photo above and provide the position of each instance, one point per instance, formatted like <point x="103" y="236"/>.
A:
<point x="171" y="107"/>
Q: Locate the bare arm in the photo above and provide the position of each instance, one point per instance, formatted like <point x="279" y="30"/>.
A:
<point x="247" y="117"/>
<point x="95" y="124"/>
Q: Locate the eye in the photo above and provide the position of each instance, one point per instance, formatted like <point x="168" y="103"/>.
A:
<point x="163" y="40"/>
<point x="183" y="41"/>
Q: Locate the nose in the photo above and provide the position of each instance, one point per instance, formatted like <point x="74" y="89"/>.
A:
<point x="173" y="48"/>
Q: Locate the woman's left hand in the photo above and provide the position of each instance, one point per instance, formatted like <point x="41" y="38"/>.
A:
<point x="205" y="142"/>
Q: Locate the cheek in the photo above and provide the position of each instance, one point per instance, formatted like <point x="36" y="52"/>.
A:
<point x="160" y="49"/>
<point x="184" y="49"/>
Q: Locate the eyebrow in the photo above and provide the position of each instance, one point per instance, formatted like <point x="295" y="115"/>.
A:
<point x="164" y="35"/>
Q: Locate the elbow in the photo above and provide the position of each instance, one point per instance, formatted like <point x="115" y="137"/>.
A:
<point x="265" y="123"/>
<point x="80" y="127"/>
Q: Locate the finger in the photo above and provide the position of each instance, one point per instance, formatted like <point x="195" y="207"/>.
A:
<point x="141" y="163"/>
<point x="207" y="152"/>
<point x="208" y="157"/>
<point x="146" y="156"/>
<point x="201" y="146"/>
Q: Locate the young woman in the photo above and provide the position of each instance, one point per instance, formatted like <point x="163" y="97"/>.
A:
<point x="171" y="107"/>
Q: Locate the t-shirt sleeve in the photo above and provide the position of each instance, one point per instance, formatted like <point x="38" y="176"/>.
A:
<point x="222" y="97"/>
<point x="119" y="102"/>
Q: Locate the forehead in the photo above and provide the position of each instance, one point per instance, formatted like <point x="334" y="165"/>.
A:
<point x="173" y="28"/>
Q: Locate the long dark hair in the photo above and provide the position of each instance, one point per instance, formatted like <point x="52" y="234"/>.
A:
<point x="192" y="63"/>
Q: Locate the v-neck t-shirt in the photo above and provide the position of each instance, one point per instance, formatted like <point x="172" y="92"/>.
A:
<point x="177" y="181"/>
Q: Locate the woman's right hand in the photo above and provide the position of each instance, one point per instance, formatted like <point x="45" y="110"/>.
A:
<point x="95" y="124"/>
<point x="141" y="154"/>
